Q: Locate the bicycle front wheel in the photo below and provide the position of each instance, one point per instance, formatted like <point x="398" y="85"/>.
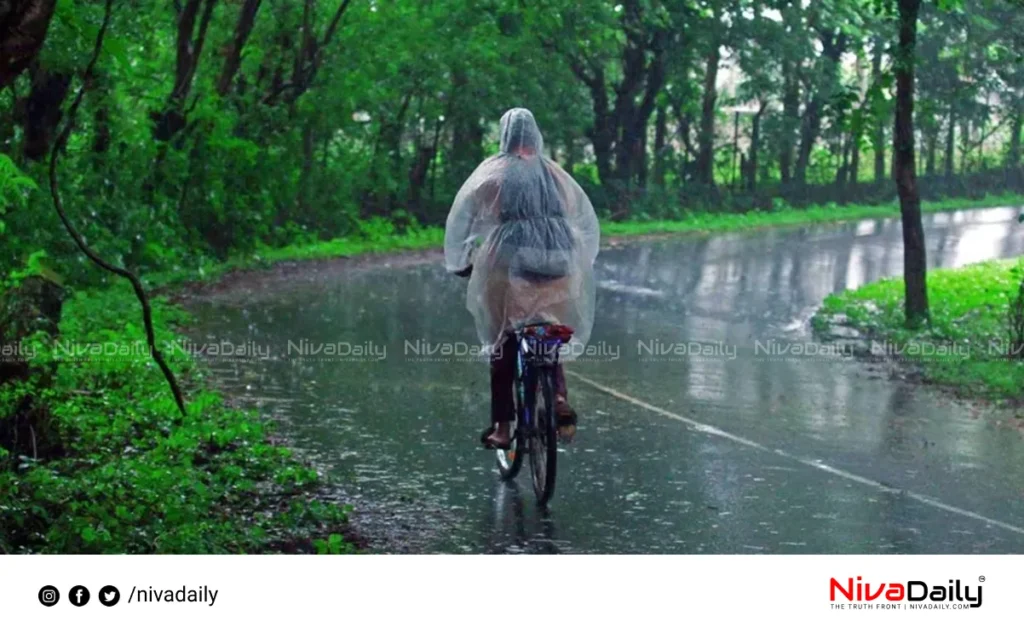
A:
<point x="543" y="441"/>
<point x="510" y="461"/>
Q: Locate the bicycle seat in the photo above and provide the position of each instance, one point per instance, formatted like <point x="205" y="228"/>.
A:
<point x="547" y="332"/>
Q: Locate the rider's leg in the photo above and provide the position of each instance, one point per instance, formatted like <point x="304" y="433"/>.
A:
<point x="565" y="414"/>
<point x="560" y="389"/>
<point x="503" y="407"/>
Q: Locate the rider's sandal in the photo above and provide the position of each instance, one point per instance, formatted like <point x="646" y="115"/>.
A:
<point x="565" y="420"/>
<point x="565" y="415"/>
<point x="488" y="444"/>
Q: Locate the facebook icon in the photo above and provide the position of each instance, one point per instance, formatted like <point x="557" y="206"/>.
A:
<point x="78" y="596"/>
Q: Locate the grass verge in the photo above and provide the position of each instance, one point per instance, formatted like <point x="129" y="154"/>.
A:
<point x="717" y="222"/>
<point x="967" y="346"/>
<point x="113" y="470"/>
<point x="379" y="236"/>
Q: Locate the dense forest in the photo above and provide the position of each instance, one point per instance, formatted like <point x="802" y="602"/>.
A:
<point x="210" y="127"/>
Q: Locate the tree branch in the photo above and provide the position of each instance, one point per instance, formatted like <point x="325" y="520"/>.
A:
<point x="577" y="64"/>
<point x="204" y="25"/>
<point x="80" y="241"/>
<point x="334" y="24"/>
<point x="971" y="146"/>
<point x="246" y="21"/>
<point x="309" y="55"/>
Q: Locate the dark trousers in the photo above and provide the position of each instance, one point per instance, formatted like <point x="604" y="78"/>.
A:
<point x="503" y="376"/>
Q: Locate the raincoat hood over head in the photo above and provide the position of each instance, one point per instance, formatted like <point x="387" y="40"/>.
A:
<point x="520" y="134"/>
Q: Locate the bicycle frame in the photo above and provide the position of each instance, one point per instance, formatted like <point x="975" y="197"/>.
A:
<point x="537" y="346"/>
<point x="536" y="349"/>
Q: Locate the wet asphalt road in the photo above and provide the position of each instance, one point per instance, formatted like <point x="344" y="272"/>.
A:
<point x="744" y="447"/>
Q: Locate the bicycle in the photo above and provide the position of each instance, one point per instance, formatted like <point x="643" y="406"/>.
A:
<point x="537" y="348"/>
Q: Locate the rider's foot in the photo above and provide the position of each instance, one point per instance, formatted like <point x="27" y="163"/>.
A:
<point x="499" y="436"/>
<point x="565" y="416"/>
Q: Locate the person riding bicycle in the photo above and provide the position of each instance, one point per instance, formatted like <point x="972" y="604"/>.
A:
<point x="526" y="235"/>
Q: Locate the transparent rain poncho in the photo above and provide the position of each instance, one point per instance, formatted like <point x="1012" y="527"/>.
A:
<point x="531" y="236"/>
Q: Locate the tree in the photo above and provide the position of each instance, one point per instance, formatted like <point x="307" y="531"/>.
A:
<point x="761" y="62"/>
<point x="880" y="107"/>
<point x="833" y="43"/>
<point x="639" y="34"/>
<point x="716" y="32"/>
<point x="914" y="254"/>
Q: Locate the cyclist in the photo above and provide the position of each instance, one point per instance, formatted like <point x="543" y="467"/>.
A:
<point x="526" y="235"/>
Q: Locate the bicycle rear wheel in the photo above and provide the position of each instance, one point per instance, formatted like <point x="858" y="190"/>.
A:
<point x="510" y="461"/>
<point x="543" y="440"/>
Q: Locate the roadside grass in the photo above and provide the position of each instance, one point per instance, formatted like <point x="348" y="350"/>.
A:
<point x="967" y="346"/>
<point x="786" y="216"/>
<point x="380" y="235"/>
<point x="112" y="468"/>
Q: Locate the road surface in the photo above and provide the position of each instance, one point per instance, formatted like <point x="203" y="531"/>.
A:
<point x="703" y="429"/>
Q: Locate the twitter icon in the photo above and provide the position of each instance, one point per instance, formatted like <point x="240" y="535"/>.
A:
<point x="109" y="596"/>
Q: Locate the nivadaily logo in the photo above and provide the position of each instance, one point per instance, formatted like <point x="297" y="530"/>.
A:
<point x="914" y="594"/>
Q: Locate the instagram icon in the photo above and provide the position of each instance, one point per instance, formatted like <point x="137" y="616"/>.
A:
<point x="49" y="596"/>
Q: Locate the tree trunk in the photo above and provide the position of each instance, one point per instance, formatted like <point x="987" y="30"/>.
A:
<point x="853" y="175"/>
<point x="233" y="59"/>
<point x="433" y="157"/>
<point x="467" y="134"/>
<point x="790" y="121"/>
<point x="878" y="142"/>
<point x="914" y="256"/>
<point x="467" y="146"/>
<point x="809" y="129"/>
<point x="418" y="173"/>
<point x="386" y="160"/>
<point x="22" y="32"/>
<point x="641" y="78"/>
<point x="602" y="133"/>
<point x="42" y="111"/>
<point x="1013" y="155"/>
<point x="880" y="152"/>
<point x="571" y="156"/>
<point x="306" y="175"/>
<point x="101" y="125"/>
<point x="965" y="147"/>
<point x="950" y="141"/>
<point x="631" y="150"/>
<point x="603" y="155"/>
<point x="683" y="121"/>
<point x="792" y="20"/>
<point x="705" y="167"/>
<point x="833" y="47"/>
<point x="755" y="144"/>
<point x="101" y="91"/>
<point x="640" y="156"/>
<point x="7" y="121"/>
<point x="931" y="151"/>
<point x="660" y="131"/>
<point x="171" y="119"/>
<point x="625" y="145"/>
<point x="844" y="159"/>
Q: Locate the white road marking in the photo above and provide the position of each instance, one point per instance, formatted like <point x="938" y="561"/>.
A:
<point x="813" y="463"/>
